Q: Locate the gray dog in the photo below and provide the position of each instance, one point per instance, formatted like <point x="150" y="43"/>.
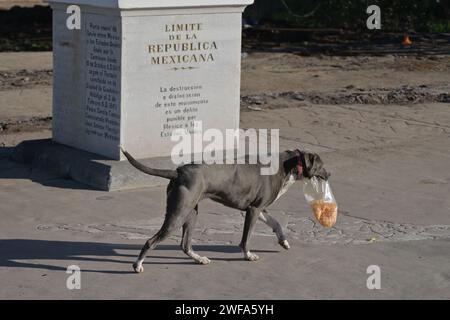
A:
<point x="239" y="186"/>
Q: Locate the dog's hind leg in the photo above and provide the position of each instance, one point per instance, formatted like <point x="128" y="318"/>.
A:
<point x="265" y="217"/>
<point x="188" y="230"/>
<point x="251" y="216"/>
<point x="150" y="244"/>
<point x="179" y="205"/>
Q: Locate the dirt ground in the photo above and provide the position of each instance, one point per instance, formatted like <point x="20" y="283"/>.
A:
<point x="382" y="126"/>
<point x="6" y="4"/>
<point x="269" y="81"/>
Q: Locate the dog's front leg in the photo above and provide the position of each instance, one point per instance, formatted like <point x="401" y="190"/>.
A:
<point x="251" y="216"/>
<point x="265" y="217"/>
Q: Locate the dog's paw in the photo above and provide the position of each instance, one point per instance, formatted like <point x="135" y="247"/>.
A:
<point x="251" y="256"/>
<point x="285" y="244"/>
<point x="204" y="260"/>
<point x="138" y="268"/>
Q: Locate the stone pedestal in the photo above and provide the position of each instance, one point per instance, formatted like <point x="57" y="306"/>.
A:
<point x="136" y="70"/>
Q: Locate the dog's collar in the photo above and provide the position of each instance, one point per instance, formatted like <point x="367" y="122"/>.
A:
<point x="300" y="162"/>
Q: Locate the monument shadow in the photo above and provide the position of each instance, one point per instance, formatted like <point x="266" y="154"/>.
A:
<point x="25" y="168"/>
<point x="53" y="164"/>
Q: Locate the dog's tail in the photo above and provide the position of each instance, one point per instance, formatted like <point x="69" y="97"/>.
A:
<point x="168" y="174"/>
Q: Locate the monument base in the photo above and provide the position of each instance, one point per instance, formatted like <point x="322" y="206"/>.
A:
<point x="55" y="160"/>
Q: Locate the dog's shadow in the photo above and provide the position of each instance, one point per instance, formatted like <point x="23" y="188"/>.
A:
<point x="17" y="253"/>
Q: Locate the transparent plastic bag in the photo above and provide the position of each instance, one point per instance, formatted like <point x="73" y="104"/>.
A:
<point x="321" y="199"/>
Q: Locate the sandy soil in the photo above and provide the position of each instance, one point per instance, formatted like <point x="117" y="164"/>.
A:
<point x="280" y="72"/>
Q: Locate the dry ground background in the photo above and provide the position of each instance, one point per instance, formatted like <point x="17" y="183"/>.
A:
<point x="6" y="4"/>
<point x="382" y="125"/>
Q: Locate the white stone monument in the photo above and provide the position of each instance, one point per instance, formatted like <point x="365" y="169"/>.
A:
<point x="138" y="69"/>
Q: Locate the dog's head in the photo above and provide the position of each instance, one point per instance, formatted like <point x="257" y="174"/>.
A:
<point x="306" y="164"/>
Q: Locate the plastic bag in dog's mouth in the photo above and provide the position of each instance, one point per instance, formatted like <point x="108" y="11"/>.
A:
<point x="321" y="199"/>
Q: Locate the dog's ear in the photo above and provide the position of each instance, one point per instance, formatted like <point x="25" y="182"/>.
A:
<point x="314" y="167"/>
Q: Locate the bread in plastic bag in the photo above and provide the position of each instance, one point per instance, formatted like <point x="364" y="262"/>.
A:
<point x="318" y="193"/>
